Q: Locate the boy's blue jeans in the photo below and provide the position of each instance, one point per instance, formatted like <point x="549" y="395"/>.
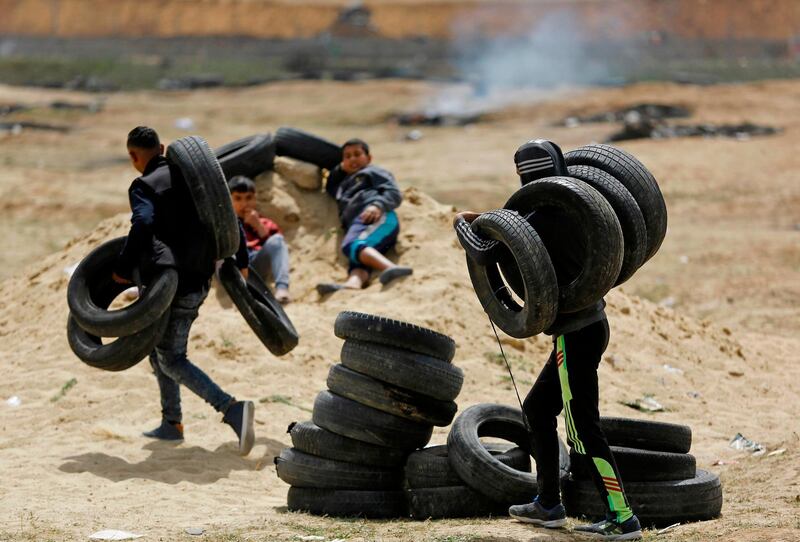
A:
<point x="272" y="258"/>
<point x="171" y="366"/>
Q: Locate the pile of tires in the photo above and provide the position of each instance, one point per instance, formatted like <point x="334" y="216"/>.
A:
<point x="659" y="475"/>
<point x="469" y="477"/>
<point x="253" y="155"/>
<point x="598" y="200"/>
<point x="394" y="383"/>
<point x="139" y="326"/>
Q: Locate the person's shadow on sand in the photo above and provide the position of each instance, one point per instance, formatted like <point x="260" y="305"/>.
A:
<point x="171" y="464"/>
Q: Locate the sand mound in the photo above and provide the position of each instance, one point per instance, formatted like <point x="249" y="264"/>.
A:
<point x="77" y="464"/>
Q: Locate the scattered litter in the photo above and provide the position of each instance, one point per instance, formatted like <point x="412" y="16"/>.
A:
<point x="736" y="373"/>
<point x="674" y="370"/>
<point x="311" y="537"/>
<point x="684" y="259"/>
<point x="739" y="442"/>
<point x="70" y="269"/>
<point x="668" y="302"/>
<point x="195" y="531"/>
<point x="184" y="123"/>
<point x="719" y="462"/>
<point x="414" y="135"/>
<point x="780" y="451"/>
<point x="667" y="529"/>
<point x="693" y="394"/>
<point x="14" y="401"/>
<point x="645" y="404"/>
<point x="648" y="110"/>
<point x="64" y="389"/>
<point x="17" y="128"/>
<point x="113" y="534"/>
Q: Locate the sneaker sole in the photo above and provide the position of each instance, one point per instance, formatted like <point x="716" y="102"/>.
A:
<point x="552" y="524"/>
<point x="248" y="437"/>
<point x="636" y="535"/>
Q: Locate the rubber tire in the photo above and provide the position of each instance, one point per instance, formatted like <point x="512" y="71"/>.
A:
<point x="91" y="290"/>
<point x="117" y="355"/>
<point x="656" y="504"/>
<point x="408" y="370"/>
<point x="538" y="277"/>
<point x="640" y="465"/>
<point x="260" y="309"/>
<point x="430" y="467"/>
<point x="378" y="329"/>
<point x="315" y="440"/>
<point x="593" y="219"/>
<point x="307" y="147"/>
<point x="478" y="249"/>
<point x="393" y="400"/>
<point x="634" y="231"/>
<point x="209" y="192"/>
<point x="350" y="419"/>
<point x="478" y="468"/>
<point x="299" y="469"/>
<point x="347" y="503"/>
<point x="647" y="435"/>
<point x="452" y="502"/>
<point x="636" y="178"/>
<point x="249" y="156"/>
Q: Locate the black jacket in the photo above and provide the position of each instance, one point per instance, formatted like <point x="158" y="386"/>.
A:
<point x="370" y="186"/>
<point x="165" y="229"/>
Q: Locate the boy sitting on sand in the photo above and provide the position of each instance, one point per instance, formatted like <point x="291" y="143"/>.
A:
<point x="266" y="246"/>
<point x="366" y="196"/>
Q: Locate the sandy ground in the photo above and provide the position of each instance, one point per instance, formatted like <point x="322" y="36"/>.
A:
<point x="719" y="302"/>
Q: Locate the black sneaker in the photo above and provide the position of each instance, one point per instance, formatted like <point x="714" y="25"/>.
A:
<point x="240" y="417"/>
<point x="166" y="431"/>
<point x="539" y="515"/>
<point x="611" y="530"/>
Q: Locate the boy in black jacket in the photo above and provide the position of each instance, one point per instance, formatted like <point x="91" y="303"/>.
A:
<point x="164" y="232"/>
<point x="367" y="196"/>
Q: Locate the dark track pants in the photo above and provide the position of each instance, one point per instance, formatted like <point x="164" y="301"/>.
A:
<point x="569" y="382"/>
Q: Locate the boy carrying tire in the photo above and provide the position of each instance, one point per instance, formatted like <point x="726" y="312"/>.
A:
<point x="367" y="196"/>
<point x="164" y="232"/>
<point x="569" y="382"/>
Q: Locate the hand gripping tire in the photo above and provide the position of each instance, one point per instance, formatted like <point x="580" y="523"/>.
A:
<point x="429" y="467"/>
<point x="117" y="355"/>
<point x="354" y="420"/>
<point x="647" y="435"/>
<point x="538" y="278"/>
<point x="91" y="290"/>
<point x="378" y="329"/>
<point x="587" y="215"/>
<point x="315" y="440"/>
<point x="249" y="156"/>
<point x="393" y="400"/>
<point x="307" y="147"/>
<point x="417" y="373"/>
<point x="260" y="309"/>
<point x="478" y="249"/>
<point x="634" y="231"/>
<point x="209" y="191"/>
<point x="299" y="469"/>
<point x="639" y="465"/>
<point x="636" y="178"/>
<point x="478" y="468"/>
<point x="347" y="502"/>
<point x="656" y="504"/>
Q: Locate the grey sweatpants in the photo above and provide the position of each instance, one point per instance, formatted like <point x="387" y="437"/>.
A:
<point x="272" y="260"/>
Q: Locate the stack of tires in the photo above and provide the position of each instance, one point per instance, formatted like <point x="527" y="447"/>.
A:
<point x="660" y="477"/>
<point x="253" y="155"/>
<point x="581" y="224"/>
<point x="394" y="383"/>
<point x="470" y="477"/>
